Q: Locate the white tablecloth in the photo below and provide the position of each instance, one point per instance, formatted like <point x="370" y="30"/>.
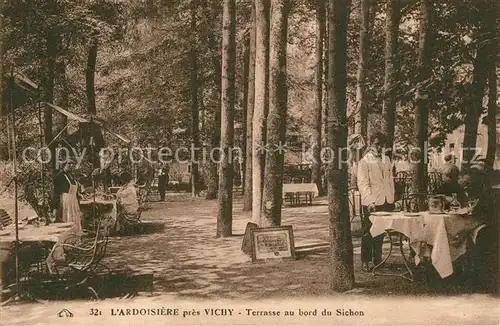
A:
<point x="300" y="187"/>
<point x="29" y="232"/>
<point x="411" y="226"/>
<point x="437" y="231"/>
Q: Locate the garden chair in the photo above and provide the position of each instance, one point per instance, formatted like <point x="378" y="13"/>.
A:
<point x="83" y="256"/>
<point x="5" y="219"/>
<point x="143" y="196"/>
<point x="416" y="202"/>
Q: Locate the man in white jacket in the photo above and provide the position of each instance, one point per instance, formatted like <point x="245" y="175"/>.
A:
<point x="376" y="187"/>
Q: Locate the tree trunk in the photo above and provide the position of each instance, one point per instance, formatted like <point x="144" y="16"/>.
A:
<point x="341" y="250"/>
<point x="2" y="112"/>
<point x="485" y="47"/>
<point x="60" y="120"/>
<point x="325" y="91"/>
<point x="492" y="116"/>
<point x="226" y="171"/>
<point x="393" y="18"/>
<point x="246" y="68"/>
<point x="195" y="118"/>
<point x="247" y="194"/>
<point x="492" y="90"/>
<point x="276" y="120"/>
<point x="1" y="64"/>
<point x="213" y="178"/>
<point x="316" y="176"/>
<point x="49" y="94"/>
<point x="419" y="167"/>
<point x="259" y="114"/>
<point x="90" y="74"/>
<point x="326" y="102"/>
<point x="361" y="114"/>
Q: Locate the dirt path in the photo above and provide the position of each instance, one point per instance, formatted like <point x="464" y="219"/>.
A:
<point x="189" y="263"/>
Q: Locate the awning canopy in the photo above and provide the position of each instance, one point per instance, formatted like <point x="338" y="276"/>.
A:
<point x="19" y="90"/>
<point x="87" y="121"/>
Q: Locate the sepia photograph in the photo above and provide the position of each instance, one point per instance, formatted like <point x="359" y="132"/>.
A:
<point x="249" y="162"/>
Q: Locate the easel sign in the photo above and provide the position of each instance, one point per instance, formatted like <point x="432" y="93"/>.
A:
<point x="272" y="243"/>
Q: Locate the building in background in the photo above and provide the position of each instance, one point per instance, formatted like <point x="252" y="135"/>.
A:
<point x="454" y="145"/>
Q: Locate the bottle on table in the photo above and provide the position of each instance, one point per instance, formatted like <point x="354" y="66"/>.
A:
<point x="455" y="204"/>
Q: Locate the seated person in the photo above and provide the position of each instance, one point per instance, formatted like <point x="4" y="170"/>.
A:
<point x="126" y="201"/>
<point x="482" y="256"/>
<point x="452" y="186"/>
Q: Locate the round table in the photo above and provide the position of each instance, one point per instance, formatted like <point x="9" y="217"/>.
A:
<point x="398" y="227"/>
<point x="429" y="235"/>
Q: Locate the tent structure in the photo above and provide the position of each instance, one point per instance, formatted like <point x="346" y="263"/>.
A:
<point x="20" y="91"/>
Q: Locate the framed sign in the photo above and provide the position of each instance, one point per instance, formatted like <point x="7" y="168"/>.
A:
<point x="272" y="243"/>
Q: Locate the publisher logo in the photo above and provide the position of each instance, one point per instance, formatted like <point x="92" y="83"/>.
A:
<point x="65" y="313"/>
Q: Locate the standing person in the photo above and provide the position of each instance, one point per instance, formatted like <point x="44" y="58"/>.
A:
<point x="376" y="187"/>
<point x="163" y="181"/>
<point x="356" y="146"/>
<point x="67" y="196"/>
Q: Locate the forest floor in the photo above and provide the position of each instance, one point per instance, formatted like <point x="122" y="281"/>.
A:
<point x="189" y="263"/>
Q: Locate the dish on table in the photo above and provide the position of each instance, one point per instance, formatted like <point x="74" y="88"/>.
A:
<point x="461" y="211"/>
<point x="381" y="213"/>
<point x="412" y="214"/>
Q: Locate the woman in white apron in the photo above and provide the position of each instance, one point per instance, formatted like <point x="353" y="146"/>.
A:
<point x="66" y="209"/>
<point x="66" y="190"/>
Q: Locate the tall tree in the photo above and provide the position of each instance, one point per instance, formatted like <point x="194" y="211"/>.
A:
<point x="246" y="71"/>
<point x="392" y="20"/>
<point x="225" y="216"/>
<point x="316" y="176"/>
<point x="361" y="114"/>
<point x="422" y="99"/>
<point x="341" y="251"/>
<point x="195" y="118"/>
<point x="90" y="74"/>
<point x="1" y="60"/>
<point x="260" y="105"/>
<point x="213" y="178"/>
<point x="492" y="90"/>
<point x="492" y="115"/>
<point x="48" y="91"/>
<point x="485" y="47"/>
<point x="61" y="120"/>
<point x="247" y="195"/>
<point x="276" y="120"/>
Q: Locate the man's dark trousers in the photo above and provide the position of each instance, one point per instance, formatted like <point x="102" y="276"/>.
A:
<point x="371" y="248"/>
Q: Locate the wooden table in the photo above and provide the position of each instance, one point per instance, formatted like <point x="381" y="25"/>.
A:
<point x="35" y="242"/>
<point x="293" y="192"/>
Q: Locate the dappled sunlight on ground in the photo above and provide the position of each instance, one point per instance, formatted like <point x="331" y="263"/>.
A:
<point x="190" y="263"/>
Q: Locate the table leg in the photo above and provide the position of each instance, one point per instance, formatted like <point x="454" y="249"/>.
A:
<point x="399" y="244"/>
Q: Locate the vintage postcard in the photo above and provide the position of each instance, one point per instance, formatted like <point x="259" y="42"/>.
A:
<point x="249" y="162"/>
